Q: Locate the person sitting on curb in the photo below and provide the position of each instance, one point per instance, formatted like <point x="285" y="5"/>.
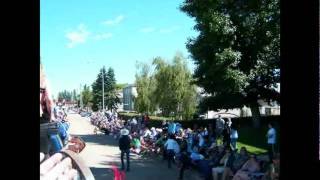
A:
<point x="251" y="166"/>
<point x="235" y="163"/>
<point x="274" y="169"/>
<point x="222" y="164"/>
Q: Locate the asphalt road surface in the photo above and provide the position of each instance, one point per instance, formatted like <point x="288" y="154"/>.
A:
<point x="102" y="152"/>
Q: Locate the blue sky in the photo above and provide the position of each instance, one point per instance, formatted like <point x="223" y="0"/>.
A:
<point x="78" y="37"/>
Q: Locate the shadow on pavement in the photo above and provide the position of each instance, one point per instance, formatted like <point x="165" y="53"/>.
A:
<point x="102" y="173"/>
<point x="140" y="168"/>
<point x="146" y="169"/>
<point x="99" y="139"/>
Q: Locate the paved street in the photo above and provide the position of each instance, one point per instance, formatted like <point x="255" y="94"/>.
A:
<point x="102" y="152"/>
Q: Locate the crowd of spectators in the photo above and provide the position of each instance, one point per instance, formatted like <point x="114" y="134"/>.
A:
<point x="197" y="148"/>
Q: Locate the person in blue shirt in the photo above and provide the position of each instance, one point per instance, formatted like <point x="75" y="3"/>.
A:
<point x="178" y="127"/>
<point x="234" y="137"/>
<point x="63" y="131"/>
<point x="170" y="146"/>
<point x="171" y="128"/>
<point x="189" y="141"/>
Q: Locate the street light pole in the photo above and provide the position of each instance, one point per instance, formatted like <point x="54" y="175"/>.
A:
<point x="102" y="91"/>
<point x="81" y="103"/>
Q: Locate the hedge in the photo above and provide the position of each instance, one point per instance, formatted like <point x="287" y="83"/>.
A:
<point x="239" y="121"/>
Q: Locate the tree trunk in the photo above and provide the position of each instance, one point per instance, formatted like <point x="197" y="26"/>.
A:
<point x="255" y="114"/>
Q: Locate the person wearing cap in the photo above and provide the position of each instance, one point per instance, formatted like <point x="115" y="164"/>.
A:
<point x="124" y="146"/>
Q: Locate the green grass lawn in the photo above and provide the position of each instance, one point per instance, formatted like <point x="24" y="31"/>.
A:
<point x="254" y="139"/>
<point x="251" y="148"/>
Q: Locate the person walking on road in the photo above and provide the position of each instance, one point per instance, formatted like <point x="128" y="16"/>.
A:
<point x="124" y="146"/>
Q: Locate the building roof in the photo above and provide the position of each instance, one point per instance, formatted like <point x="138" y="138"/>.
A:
<point x="129" y="85"/>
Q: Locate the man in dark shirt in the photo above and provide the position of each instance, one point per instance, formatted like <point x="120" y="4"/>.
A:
<point x="185" y="161"/>
<point x="124" y="146"/>
<point x="164" y="125"/>
<point x="226" y="135"/>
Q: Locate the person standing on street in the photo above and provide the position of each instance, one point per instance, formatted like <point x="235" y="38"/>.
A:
<point x="134" y="125"/>
<point x="164" y="125"/>
<point x="271" y="136"/>
<point x="234" y="137"/>
<point x="124" y="146"/>
<point x="170" y="147"/>
<point x="226" y="135"/>
<point x="219" y="126"/>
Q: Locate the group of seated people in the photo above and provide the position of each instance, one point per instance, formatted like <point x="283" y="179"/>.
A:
<point x="110" y="125"/>
<point x="221" y="161"/>
<point x="55" y="131"/>
<point x="198" y="149"/>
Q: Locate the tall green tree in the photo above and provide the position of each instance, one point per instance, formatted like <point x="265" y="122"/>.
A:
<point x="74" y="95"/>
<point x="97" y="89"/>
<point x="86" y="96"/>
<point x="66" y="95"/>
<point x="164" y="95"/>
<point x="174" y="87"/>
<point x="112" y="98"/>
<point x="237" y="52"/>
<point x="145" y="83"/>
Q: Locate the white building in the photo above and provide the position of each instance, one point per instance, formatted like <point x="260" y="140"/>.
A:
<point x="129" y="93"/>
<point x="265" y="108"/>
<point x="120" y="96"/>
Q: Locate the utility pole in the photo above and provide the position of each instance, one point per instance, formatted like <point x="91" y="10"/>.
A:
<point x="81" y="103"/>
<point x="103" y="91"/>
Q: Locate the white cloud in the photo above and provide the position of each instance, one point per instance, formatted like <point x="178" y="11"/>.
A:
<point x="115" y="21"/>
<point x="103" y="36"/>
<point x="78" y="36"/>
<point x="169" y="30"/>
<point x="147" y="30"/>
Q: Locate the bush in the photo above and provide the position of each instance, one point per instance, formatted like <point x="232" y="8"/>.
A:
<point x="239" y="122"/>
